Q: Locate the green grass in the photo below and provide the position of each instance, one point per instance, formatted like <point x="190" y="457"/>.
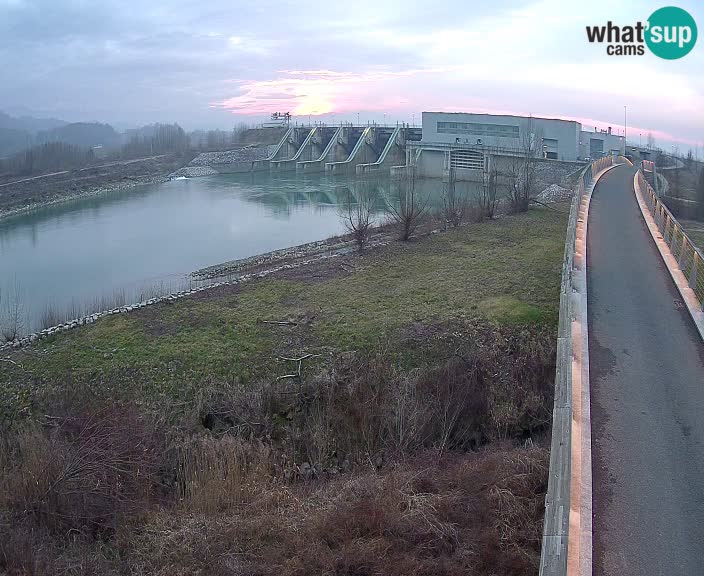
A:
<point x="695" y="230"/>
<point x="506" y="271"/>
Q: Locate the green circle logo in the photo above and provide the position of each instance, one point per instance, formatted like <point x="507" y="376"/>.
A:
<point x="670" y="33"/>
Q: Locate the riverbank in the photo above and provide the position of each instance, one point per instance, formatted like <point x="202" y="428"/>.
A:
<point x="26" y="194"/>
<point x="386" y="411"/>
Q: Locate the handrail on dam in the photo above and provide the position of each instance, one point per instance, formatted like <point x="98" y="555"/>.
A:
<point x="689" y="258"/>
<point x="566" y="546"/>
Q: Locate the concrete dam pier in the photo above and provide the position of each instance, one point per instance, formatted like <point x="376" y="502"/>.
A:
<point x="339" y="149"/>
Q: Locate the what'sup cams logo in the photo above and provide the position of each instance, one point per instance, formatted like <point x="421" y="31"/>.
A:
<point x="669" y="33"/>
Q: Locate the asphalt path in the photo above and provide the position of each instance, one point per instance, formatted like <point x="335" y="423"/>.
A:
<point x="647" y="389"/>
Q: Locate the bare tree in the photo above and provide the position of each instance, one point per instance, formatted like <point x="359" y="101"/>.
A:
<point x="454" y="202"/>
<point x="407" y="209"/>
<point x="651" y="141"/>
<point x="11" y="315"/>
<point x="487" y="198"/>
<point x="700" y="195"/>
<point x="357" y="213"/>
<point x="521" y="172"/>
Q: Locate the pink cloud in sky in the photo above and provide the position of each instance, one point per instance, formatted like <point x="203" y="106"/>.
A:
<point x="398" y="94"/>
<point x="318" y="92"/>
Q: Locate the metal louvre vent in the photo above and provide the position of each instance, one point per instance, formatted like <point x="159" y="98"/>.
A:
<point x="471" y="159"/>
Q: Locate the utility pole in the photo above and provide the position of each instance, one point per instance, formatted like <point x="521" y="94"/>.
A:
<point x="624" y="130"/>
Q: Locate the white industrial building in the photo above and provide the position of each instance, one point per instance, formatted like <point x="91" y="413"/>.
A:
<point x="467" y="141"/>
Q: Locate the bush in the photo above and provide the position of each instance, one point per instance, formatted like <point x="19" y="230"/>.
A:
<point x="365" y="410"/>
<point x="83" y="471"/>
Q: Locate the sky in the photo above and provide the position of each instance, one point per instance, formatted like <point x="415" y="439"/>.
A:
<point x="218" y="63"/>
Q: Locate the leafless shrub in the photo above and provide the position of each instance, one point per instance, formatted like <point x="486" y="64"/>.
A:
<point x="365" y="410"/>
<point x="82" y="472"/>
<point x="488" y="193"/>
<point x="454" y="203"/>
<point x="51" y="316"/>
<point x="521" y="172"/>
<point x="357" y="213"/>
<point x="11" y="314"/>
<point x="407" y="208"/>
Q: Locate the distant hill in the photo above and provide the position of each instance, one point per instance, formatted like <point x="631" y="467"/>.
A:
<point x="29" y="124"/>
<point x="17" y="134"/>
<point x="86" y="134"/>
<point x="12" y="141"/>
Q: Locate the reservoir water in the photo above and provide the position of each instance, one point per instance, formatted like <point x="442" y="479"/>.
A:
<point x="117" y="248"/>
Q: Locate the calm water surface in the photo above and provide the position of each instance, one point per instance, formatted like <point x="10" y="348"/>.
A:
<point x="71" y="255"/>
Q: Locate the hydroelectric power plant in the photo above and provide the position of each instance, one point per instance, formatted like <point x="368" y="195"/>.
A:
<point x="469" y="143"/>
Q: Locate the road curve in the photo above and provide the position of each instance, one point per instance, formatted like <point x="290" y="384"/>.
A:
<point x="647" y="390"/>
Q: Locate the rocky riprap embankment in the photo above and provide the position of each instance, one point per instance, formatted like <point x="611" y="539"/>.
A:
<point x="202" y="165"/>
<point x="194" y="171"/>
<point x="554" y="193"/>
<point x="247" y="154"/>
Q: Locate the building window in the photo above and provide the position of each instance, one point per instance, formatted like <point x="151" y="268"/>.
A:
<point x="596" y="147"/>
<point x="477" y="129"/>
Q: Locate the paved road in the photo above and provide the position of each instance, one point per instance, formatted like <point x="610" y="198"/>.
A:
<point x="647" y="378"/>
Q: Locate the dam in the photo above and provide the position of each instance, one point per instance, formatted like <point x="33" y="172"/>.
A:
<point x="344" y="149"/>
<point x="469" y="144"/>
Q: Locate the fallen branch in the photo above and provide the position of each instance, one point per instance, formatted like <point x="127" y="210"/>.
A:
<point x="280" y="322"/>
<point x="304" y="357"/>
<point x="299" y="362"/>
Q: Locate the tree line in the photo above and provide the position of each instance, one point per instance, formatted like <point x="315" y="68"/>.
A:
<point x="48" y="157"/>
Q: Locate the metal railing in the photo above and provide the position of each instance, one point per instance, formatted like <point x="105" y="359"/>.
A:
<point x="553" y="559"/>
<point x="688" y="256"/>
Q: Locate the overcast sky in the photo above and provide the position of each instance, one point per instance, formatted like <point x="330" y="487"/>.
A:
<point x="215" y="63"/>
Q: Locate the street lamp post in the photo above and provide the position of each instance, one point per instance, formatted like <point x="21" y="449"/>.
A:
<point x="624" y="130"/>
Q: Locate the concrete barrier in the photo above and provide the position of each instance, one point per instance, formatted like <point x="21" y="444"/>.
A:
<point x="567" y="530"/>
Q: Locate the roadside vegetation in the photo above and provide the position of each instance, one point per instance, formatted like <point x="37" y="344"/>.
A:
<point x="384" y="412"/>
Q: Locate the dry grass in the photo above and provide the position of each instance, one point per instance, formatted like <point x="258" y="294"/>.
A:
<point x="366" y="468"/>
<point x="80" y="472"/>
<point x="459" y="514"/>
<point x="215" y="474"/>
